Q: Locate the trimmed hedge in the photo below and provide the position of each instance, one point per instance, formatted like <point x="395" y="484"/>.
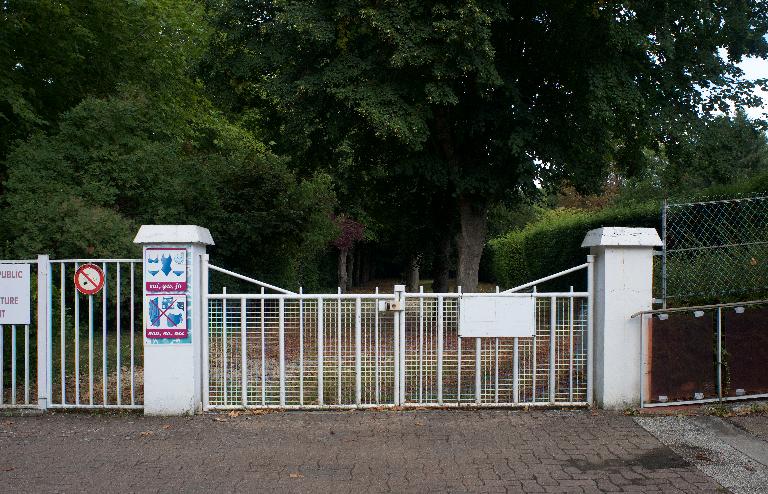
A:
<point x="553" y="243"/>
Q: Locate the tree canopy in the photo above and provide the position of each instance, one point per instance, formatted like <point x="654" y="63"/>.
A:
<point x="482" y="100"/>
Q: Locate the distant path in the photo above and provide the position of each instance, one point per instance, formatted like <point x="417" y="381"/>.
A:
<point x="336" y="452"/>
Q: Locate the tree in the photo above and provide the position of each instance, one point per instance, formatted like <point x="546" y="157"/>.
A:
<point x="720" y="151"/>
<point x="111" y="165"/>
<point x="486" y="98"/>
<point x="54" y="54"/>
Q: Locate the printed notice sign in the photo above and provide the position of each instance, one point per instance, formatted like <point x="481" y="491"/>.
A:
<point x="14" y="294"/>
<point x="165" y="316"/>
<point x="165" y="270"/>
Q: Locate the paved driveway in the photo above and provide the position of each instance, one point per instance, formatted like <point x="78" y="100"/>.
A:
<point x="371" y="451"/>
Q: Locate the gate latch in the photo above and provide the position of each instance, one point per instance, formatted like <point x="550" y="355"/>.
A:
<point x="390" y="305"/>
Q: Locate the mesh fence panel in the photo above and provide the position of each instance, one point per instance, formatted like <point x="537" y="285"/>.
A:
<point x="715" y="249"/>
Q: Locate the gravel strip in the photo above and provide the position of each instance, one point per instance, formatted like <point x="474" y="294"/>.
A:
<point x="702" y="447"/>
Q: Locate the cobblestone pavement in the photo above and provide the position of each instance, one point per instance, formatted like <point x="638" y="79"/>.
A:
<point x="371" y="451"/>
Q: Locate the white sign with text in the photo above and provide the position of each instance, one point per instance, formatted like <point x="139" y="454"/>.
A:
<point x="14" y="294"/>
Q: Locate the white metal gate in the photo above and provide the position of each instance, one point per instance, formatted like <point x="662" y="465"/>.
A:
<point x="296" y="350"/>
<point x="80" y="351"/>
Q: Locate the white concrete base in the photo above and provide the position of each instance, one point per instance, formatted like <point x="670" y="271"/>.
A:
<point x="169" y="386"/>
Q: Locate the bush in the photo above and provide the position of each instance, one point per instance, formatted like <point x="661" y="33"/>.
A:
<point x="553" y="243"/>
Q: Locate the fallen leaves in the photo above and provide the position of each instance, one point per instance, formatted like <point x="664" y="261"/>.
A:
<point x="296" y="475"/>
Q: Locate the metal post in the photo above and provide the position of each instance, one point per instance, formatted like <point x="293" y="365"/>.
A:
<point x="401" y="315"/>
<point x="396" y="327"/>
<point x="206" y="330"/>
<point x="552" y="348"/>
<point x="590" y="328"/>
<point x="440" y="349"/>
<point x="358" y="362"/>
<point x="478" y="371"/>
<point x="243" y="354"/>
<point x="281" y="343"/>
<point x="43" y="274"/>
<point x="301" y="348"/>
<point x="320" y="351"/>
<point x="720" y="353"/>
<point x="664" y="208"/>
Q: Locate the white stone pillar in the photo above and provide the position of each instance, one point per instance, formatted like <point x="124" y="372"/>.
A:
<point x="623" y="286"/>
<point x="173" y="301"/>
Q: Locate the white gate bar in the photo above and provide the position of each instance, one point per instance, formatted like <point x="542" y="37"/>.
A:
<point x="90" y="349"/>
<point x="206" y="333"/>
<point x="533" y="346"/>
<point x="401" y="315"/>
<point x="62" y="341"/>
<point x="118" y="363"/>
<point x="263" y="351"/>
<point x="421" y="346"/>
<point x="26" y="365"/>
<point x="547" y="278"/>
<point x="590" y="327"/>
<point x="440" y="349"/>
<point x="396" y="351"/>
<point x="376" y="348"/>
<point x="338" y="350"/>
<point x="205" y="337"/>
<point x="320" y="351"/>
<point x="243" y="355"/>
<point x="570" y="348"/>
<point x="552" y="348"/>
<point x="2" y="364"/>
<point x="13" y="364"/>
<point x="301" y="349"/>
<point x="281" y="344"/>
<point x="49" y="331"/>
<point x="224" y="348"/>
<point x="478" y="371"/>
<point x="104" y="356"/>
<point x="252" y="280"/>
<point x="77" y="341"/>
<point x="515" y="371"/>
<point x="496" y="367"/>
<point x="358" y="363"/>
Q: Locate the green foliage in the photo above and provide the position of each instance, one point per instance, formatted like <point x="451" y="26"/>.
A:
<point x="112" y="165"/>
<point x="553" y="243"/>
<point x="55" y="53"/>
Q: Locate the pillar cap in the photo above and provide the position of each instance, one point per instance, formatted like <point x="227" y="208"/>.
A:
<point x="173" y="234"/>
<point x="619" y="236"/>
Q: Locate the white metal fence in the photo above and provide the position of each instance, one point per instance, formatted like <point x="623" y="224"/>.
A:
<point x="294" y="350"/>
<point x="81" y="351"/>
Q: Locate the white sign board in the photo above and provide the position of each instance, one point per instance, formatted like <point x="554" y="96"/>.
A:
<point x="14" y="294"/>
<point x="496" y="316"/>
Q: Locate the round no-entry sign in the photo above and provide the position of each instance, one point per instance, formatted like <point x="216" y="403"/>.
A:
<point x="89" y="279"/>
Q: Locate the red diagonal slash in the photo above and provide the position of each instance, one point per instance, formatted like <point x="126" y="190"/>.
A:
<point x="170" y="306"/>
<point x="93" y="282"/>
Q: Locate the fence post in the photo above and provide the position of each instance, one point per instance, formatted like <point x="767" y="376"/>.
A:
<point x="623" y="285"/>
<point x="175" y="289"/>
<point x="43" y="376"/>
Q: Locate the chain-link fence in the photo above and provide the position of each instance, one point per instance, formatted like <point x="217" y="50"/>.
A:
<point x="714" y="250"/>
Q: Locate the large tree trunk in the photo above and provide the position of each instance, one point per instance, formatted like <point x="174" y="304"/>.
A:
<point x="413" y="273"/>
<point x="470" y="241"/>
<point x="442" y="265"/>
<point x="342" y="269"/>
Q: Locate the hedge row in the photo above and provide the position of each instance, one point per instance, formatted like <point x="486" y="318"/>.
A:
<point x="553" y="243"/>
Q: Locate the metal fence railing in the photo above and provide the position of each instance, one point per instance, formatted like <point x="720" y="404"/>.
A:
<point x="295" y="350"/>
<point x="702" y="354"/>
<point x="714" y="249"/>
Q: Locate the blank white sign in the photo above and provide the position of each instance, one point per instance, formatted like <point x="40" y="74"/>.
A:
<point x="496" y="316"/>
<point x="14" y="294"/>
